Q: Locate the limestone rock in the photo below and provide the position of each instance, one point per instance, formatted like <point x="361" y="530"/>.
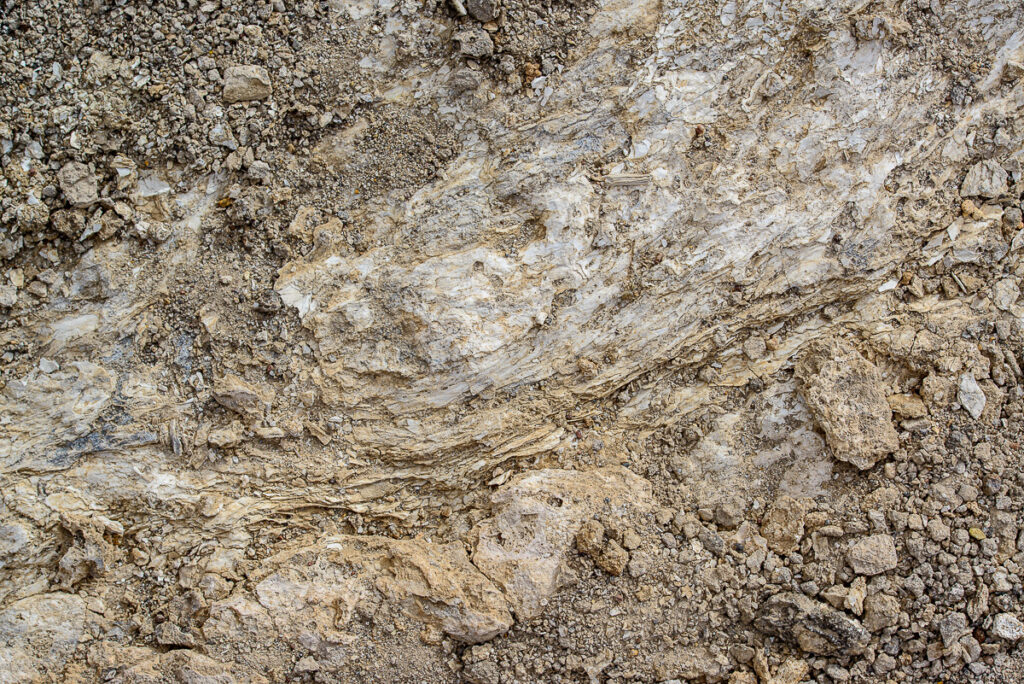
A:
<point x="953" y="626"/>
<point x="482" y="10"/>
<point x="845" y="393"/>
<point x="78" y="184"/>
<point x="8" y="295"/>
<point x="590" y="538"/>
<point x="813" y="626"/>
<point x="1005" y="293"/>
<point x="872" y="555"/>
<point x="298" y="590"/>
<point x="181" y="666"/>
<point x="971" y="396"/>
<point x="169" y="634"/>
<point x="694" y="663"/>
<point x="783" y="525"/>
<point x="607" y="554"/>
<point x="475" y="42"/>
<point x="226" y="437"/>
<point x="908" y="405"/>
<point x="729" y="514"/>
<point x="52" y="409"/>
<point x="984" y="179"/>
<point x="51" y="624"/>
<point x="1007" y="627"/>
<point x="854" y="599"/>
<point x="246" y="83"/>
<point x="600" y="231"/>
<point x="234" y="393"/>
<point x="536" y="516"/>
<point x="880" y="611"/>
<point x="613" y="558"/>
<point x="88" y="555"/>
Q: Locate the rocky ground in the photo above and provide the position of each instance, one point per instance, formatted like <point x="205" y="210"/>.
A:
<point x="503" y="341"/>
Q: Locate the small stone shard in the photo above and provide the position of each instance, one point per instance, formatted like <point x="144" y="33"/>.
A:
<point x="783" y="525"/>
<point x="952" y="627"/>
<point x="482" y="10"/>
<point x="475" y="42"/>
<point x="970" y="395"/>
<point x="246" y="83"/>
<point x="1005" y="293"/>
<point x="236" y="394"/>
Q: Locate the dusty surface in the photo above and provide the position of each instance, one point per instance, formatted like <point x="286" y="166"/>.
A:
<point x="499" y="342"/>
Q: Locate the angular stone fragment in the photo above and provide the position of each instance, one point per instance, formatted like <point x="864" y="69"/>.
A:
<point x="8" y="295"/>
<point x="475" y="42"/>
<point x="226" y="437"/>
<point x="1005" y="293"/>
<point x="319" y="588"/>
<point x="613" y="558"/>
<point x="1007" y="627"/>
<point x="854" y="599"/>
<point x="952" y="627"/>
<point x="170" y="634"/>
<point x="783" y="525"/>
<point x="872" y="555"/>
<point x="236" y="394"/>
<point x="846" y="395"/>
<point x="78" y="184"/>
<point x="523" y="546"/>
<point x="984" y="179"/>
<point x="880" y="611"/>
<point x="245" y="83"/>
<point x="694" y="663"/>
<point x="482" y="10"/>
<point x="730" y="513"/>
<point x="812" y="625"/>
<point x="590" y="538"/>
<point x="971" y="396"/>
<point x="908" y="405"/>
<point x="89" y="554"/>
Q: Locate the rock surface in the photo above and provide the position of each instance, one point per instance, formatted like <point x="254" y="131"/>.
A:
<point x="984" y="179"/>
<point x="844" y="391"/>
<point x="305" y="588"/>
<point x="246" y="83"/>
<point x="523" y="546"/>
<point x="506" y="342"/>
<point x="78" y="184"/>
<point x="872" y="555"/>
<point x="813" y="625"/>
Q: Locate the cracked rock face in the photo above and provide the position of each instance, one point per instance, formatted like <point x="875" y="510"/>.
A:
<point x="393" y="340"/>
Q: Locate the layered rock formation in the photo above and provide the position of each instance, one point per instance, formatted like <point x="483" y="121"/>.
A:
<point x="412" y="294"/>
